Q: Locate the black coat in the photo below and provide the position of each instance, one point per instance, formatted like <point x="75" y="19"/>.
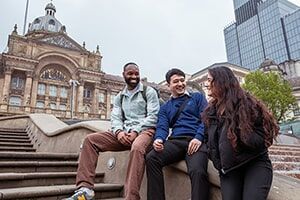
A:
<point x="224" y="157"/>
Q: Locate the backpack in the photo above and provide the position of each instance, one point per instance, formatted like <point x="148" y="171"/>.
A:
<point x="161" y="101"/>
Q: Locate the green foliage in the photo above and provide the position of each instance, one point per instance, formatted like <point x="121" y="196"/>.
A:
<point x="273" y="90"/>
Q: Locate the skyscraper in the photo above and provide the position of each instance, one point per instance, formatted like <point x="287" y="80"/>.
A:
<point x="263" y="29"/>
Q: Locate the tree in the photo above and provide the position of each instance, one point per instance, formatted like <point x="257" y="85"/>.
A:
<point x="273" y="90"/>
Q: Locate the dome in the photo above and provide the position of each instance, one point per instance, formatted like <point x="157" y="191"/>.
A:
<point x="267" y="63"/>
<point x="47" y="22"/>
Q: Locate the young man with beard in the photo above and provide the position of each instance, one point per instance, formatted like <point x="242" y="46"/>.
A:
<point x="181" y="113"/>
<point x="133" y="124"/>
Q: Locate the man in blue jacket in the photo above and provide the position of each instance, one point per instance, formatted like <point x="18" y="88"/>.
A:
<point x="181" y="113"/>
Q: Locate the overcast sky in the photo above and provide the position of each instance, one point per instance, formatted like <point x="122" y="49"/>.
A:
<point x="156" y="34"/>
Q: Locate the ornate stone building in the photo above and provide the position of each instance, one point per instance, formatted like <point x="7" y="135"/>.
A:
<point x="46" y="70"/>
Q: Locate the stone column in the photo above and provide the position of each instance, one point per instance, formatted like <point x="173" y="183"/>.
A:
<point x="95" y="101"/>
<point x="27" y="91"/>
<point x="34" y="91"/>
<point x="108" y="105"/>
<point x="79" y="98"/>
<point x="6" y="87"/>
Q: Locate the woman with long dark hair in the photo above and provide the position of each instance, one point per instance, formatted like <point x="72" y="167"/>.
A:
<point x="239" y="130"/>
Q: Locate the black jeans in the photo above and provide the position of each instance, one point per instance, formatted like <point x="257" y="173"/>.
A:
<point x="249" y="182"/>
<point x="174" y="151"/>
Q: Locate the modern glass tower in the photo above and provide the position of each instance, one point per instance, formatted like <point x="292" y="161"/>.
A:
<point x="263" y="29"/>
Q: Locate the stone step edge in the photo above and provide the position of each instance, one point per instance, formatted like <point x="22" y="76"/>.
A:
<point x="44" y="191"/>
<point x="39" y="155"/>
<point x="37" y="163"/>
<point x="15" y="144"/>
<point x="38" y="175"/>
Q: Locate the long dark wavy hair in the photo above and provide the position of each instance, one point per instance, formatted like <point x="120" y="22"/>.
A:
<point x="238" y="108"/>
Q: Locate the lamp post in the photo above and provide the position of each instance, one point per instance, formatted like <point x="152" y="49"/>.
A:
<point x="73" y="84"/>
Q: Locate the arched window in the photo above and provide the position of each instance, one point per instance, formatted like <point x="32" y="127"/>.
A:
<point x="15" y="101"/>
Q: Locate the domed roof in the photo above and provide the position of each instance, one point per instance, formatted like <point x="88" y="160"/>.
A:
<point x="47" y="22"/>
<point x="266" y="63"/>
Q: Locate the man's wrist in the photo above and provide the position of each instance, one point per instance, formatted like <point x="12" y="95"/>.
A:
<point x="159" y="140"/>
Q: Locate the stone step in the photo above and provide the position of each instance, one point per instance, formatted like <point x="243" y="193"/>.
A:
<point x="15" y="140"/>
<point x="15" y="144"/>
<point x="37" y="156"/>
<point x="291" y="173"/>
<point x="26" y="149"/>
<point x="285" y="147"/>
<point x="38" y="166"/>
<point x="15" y="130"/>
<point x="286" y="166"/>
<point x="15" y="180"/>
<point x="284" y="152"/>
<point x="14" y="137"/>
<point x="103" y="191"/>
<point x="275" y="158"/>
<point x="14" y="134"/>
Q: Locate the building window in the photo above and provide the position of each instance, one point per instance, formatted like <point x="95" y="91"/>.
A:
<point x="40" y="104"/>
<point x="63" y="92"/>
<point x="112" y="98"/>
<point x="53" y="91"/>
<point x="53" y="106"/>
<point x="41" y="89"/>
<point x="62" y="107"/>
<point x="101" y="98"/>
<point x="87" y="93"/>
<point x="15" y="101"/>
<point x="17" y="82"/>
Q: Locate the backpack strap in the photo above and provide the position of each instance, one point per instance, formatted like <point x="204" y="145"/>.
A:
<point x="144" y="97"/>
<point x="180" y="109"/>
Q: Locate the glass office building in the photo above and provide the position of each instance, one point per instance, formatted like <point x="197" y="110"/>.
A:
<point x="263" y="29"/>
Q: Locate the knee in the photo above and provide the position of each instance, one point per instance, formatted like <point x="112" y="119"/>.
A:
<point x="199" y="172"/>
<point x="137" y="147"/>
<point x="152" y="159"/>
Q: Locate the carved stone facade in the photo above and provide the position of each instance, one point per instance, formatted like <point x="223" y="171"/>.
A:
<point x="39" y="70"/>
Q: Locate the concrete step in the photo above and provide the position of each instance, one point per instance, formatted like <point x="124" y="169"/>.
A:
<point x="15" y="140"/>
<point x="103" y="191"/>
<point x="284" y="152"/>
<point x="14" y="134"/>
<point x="15" y="180"/>
<point x="3" y="136"/>
<point x="37" y="156"/>
<point x="286" y="166"/>
<point x="15" y="144"/>
<point x="291" y="173"/>
<point x="38" y="166"/>
<point x="26" y="149"/>
<point x="12" y="130"/>
<point x="275" y="158"/>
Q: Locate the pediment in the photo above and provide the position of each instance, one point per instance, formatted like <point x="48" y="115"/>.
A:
<point x="62" y="41"/>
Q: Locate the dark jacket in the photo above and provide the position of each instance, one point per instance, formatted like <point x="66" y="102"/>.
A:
<point x="224" y="157"/>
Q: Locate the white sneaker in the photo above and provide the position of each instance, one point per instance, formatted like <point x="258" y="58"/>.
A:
<point x="82" y="193"/>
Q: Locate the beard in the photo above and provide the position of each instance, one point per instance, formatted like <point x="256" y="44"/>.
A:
<point x="132" y="84"/>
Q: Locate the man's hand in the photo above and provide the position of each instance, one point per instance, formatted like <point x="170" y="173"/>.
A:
<point x="123" y="138"/>
<point x="194" y="145"/>
<point x="132" y="135"/>
<point x="158" y="145"/>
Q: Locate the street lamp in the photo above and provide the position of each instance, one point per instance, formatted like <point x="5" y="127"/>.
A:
<point x="73" y="84"/>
